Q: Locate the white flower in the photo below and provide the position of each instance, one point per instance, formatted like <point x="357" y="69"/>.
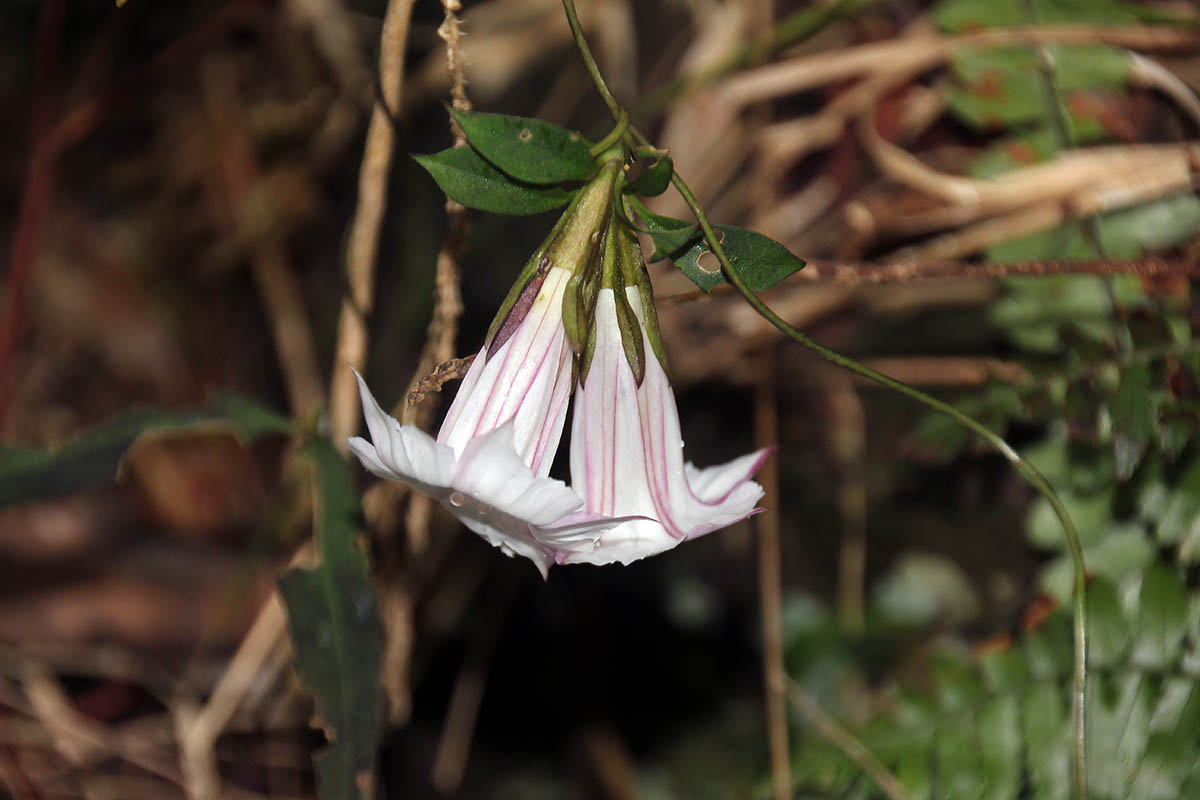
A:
<point x="489" y="463"/>
<point x="627" y="453"/>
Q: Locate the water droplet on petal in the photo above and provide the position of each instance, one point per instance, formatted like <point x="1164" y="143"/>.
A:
<point x="457" y="499"/>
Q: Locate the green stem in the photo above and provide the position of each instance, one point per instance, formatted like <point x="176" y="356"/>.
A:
<point x="612" y="137"/>
<point x="1029" y="472"/>
<point x="614" y="107"/>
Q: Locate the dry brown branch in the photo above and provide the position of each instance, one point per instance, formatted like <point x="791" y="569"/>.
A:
<point x="396" y="596"/>
<point x="865" y="273"/>
<point x="333" y="33"/>
<point x="1102" y="169"/>
<point x="458" y="728"/>
<point x="847" y="443"/>
<point x="47" y="702"/>
<point x="770" y="576"/>
<point x="888" y="65"/>
<point x="442" y="374"/>
<point x="920" y="52"/>
<point x="1152" y="75"/>
<point x="1119" y="189"/>
<point x="361" y="252"/>
<point x="36" y="194"/>
<point x="278" y="288"/>
<point x="946" y="370"/>
<point x="199" y="729"/>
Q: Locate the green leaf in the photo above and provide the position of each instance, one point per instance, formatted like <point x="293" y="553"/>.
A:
<point x="1046" y="730"/>
<point x="1124" y="551"/>
<point x="1110" y="631"/>
<point x="762" y="262"/>
<point x="1164" y="223"/>
<point x="94" y="456"/>
<point x="654" y="181"/>
<point x="1000" y="748"/>
<point x="529" y="150"/>
<point x="1119" y="707"/>
<point x="1092" y="515"/>
<point x="1162" y="617"/>
<point x="672" y="241"/>
<point x="963" y="16"/>
<point x="334" y="624"/>
<point x="468" y="179"/>
<point x="1089" y="66"/>
<point x="1180" y="514"/>
<point x="1171" y="748"/>
<point x="1133" y="415"/>
<point x="1023" y="150"/>
<point x="997" y="87"/>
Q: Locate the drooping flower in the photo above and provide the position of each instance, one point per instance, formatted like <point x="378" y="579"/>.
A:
<point x="490" y="461"/>
<point x="626" y="445"/>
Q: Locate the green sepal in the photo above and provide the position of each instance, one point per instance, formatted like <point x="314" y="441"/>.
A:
<point x="667" y="243"/>
<point x="635" y="274"/>
<point x="574" y="315"/>
<point x="468" y="179"/>
<point x="613" y="277"/>
<point x="631" y="336"/>
<point x="529" y="150"/>
<point x="655" y="180"/>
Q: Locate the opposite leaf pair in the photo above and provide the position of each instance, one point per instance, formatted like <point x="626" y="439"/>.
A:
<point x="579" y="318"/>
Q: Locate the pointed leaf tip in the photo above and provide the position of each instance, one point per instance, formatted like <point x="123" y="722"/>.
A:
<point x="529" y="150"/>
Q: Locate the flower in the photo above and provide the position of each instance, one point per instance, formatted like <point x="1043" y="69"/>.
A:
<point x="490" y="461"/>
<point x="626" y="447"/>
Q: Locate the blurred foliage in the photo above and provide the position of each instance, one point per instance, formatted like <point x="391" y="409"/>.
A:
<point x="1107" y="404"/>
<point x="1108" y="408"/>
<point x="335" y="629"/>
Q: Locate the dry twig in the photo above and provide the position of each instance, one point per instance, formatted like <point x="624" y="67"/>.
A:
<point x="832" y="730"/>
<point x="361" y="252"/>
<point x="770" y="576"/>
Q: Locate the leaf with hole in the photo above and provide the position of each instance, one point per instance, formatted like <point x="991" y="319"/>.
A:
<point x="467" y="178"/>
<point x="529" y="150"/>
<point x="762" y="262"/>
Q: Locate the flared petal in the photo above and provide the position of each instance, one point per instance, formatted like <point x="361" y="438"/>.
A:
<point x="488" y="487"/>
<point x="627" y="456"/>
<point x="401" y="452"/>
<point x="526" y="381"/>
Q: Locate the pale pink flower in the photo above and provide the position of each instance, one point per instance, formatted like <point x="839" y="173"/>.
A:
<point x="490" y="461"/>
<point x="627" y="454"/>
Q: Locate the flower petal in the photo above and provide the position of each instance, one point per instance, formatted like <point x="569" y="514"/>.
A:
<point x="627" y="456"/>
<point x="527" y="381"/>
<point x="401" y="452"/>
<point x="490" y="472"/>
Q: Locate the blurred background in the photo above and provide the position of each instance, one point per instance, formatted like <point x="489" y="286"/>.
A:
<point x="997" y="203"/>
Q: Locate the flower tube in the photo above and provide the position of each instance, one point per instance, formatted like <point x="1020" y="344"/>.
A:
<point x="626" y="445"/>
<point x="490" y="461"/>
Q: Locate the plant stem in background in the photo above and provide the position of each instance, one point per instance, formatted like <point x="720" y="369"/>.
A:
<point x="1030" y="473"/>
<point x="351" y="352"/>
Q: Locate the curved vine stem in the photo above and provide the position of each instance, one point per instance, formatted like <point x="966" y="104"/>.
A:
<point x="1027" y="471"/>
